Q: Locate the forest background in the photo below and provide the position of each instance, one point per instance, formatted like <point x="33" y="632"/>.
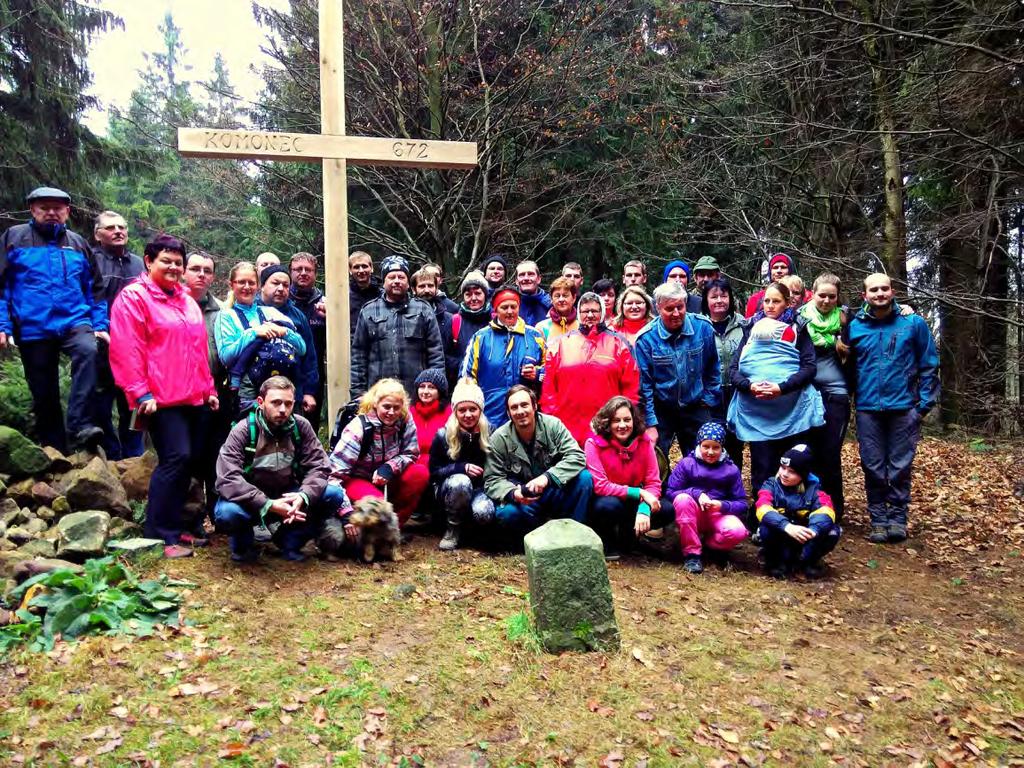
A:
<point x="855" y="136"/>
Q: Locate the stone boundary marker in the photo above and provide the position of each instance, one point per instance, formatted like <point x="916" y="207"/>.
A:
<point x="569" y="588"/>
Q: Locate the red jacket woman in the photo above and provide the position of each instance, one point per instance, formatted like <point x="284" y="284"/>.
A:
<point x="585" y="369"/>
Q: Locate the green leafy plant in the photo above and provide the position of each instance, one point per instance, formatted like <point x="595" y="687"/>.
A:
<point x="519" y="630"/>
<point x="106" y="598"/>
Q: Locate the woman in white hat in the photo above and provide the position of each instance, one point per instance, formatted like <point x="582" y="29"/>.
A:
<point x="457" y="457"/>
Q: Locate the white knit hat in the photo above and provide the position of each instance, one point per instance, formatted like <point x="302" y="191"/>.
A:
<point x="467" y="391"/>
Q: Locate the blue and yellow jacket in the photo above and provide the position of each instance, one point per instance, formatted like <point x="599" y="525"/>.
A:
<point x="495" y="357"/>
<point x="805" y="504"/>
<point x="894" y="361"/>
<point x="49" y="283"/>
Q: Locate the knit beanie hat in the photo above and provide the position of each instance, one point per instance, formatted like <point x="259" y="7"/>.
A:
<point x="467" y="391"/>
<point x="782" y="257"/>
<point x="711" y="430"/>
<point x="798" y="458"/>
<point x="436" y="377"/>
<point x="672" y="265"/>
<point x="272" y="270"/>
<point x="393" y="263"/>
<point x="474" y="279"/>
<point x="492" y="258"/>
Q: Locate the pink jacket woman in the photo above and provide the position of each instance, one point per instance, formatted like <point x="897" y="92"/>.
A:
<point x="615" y="468"/>
<point x="158" y="346"/>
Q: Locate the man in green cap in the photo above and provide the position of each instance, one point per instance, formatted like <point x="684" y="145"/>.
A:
<point x="705" y="270"/>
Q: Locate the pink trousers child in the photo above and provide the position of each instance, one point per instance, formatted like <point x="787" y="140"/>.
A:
<point x="717" y="530"/>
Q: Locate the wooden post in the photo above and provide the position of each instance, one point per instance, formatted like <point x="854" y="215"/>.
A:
<point x="335" y="185"/>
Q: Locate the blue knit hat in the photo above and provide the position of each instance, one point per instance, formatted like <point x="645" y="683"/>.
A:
<point x="672" y="265"/>
<point x="711" y="430"/>
<point x="394" y="263"/>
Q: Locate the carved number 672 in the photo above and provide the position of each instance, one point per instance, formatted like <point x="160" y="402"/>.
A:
<point x="411" y="149"/>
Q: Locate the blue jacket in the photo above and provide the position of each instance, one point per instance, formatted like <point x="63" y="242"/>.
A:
<point x="805" y="504"/>
<point x="494" y="359"/>
<point x="678" y="370"/>
<point x="49" y="283"/>
<point x="895" y="363"/>
<point x="309" y="367"/>
<point x="533" y="307"/>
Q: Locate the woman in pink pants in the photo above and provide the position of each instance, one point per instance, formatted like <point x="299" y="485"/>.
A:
<point x="706" y="489"/>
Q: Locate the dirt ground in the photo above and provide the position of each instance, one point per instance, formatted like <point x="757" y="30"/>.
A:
<point x="906" y="655"/>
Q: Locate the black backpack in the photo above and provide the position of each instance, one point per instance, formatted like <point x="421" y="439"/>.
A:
<point x="346" y="414"/>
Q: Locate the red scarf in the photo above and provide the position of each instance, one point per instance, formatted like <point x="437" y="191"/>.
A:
<point x="562" y="320"/>
<point x="632" y="327"/>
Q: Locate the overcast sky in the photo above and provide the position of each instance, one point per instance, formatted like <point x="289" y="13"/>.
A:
<point x="207" y="27"/>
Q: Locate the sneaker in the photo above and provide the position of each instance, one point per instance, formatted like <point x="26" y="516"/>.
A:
<point x="879" y="534"/>
<point x="246" y="556"/>
<point x="897" y="532"/>
<point x="194" y="540"/>
<point x="692" y="564"/>
<point x="262" y="533"/>
<point x="174" y="551"/>
<point x="612" y="556"/>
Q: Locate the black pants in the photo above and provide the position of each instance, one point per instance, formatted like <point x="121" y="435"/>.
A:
<point x="41" y="360"/>
<point x="733" y="445"/>
<point x="177" y="434"/>
<point x="680" y="423"/>
<point x="122" y="442"/>
<point x="827" y="446"/>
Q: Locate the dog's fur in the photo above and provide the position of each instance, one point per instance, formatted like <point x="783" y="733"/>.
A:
<point x="378" y="531"/>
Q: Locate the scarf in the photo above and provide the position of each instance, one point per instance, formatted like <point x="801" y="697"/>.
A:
<point x="824" y="329"/>
<point x="788" y="316"/>
<point x="632" y="327"/>
<point x="562" y="320"/>
<point x="426" y="410"/>
<point x="593" y="330"/>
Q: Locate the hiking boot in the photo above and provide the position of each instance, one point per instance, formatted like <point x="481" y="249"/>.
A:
<point x="451" y="538"/>
<point x="879" y="534"/>
<point x="174" y="551"/>
<point x="655" y="534"/>
<point x="262" y="533"/>
<point x="813" y="570"/>
<point x="89" y="439"/>
<point x="897" y="532"/>
<point x="776" y="570"/>
<point x="612" y="556"/>
<point x="246" y="556"/>
<point x="418" y="521"/>
<point x="692" y="564"/>
<point x="293" y="555"/>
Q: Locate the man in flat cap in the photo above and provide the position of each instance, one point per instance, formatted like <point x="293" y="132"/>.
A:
<point x="51" y="301"/>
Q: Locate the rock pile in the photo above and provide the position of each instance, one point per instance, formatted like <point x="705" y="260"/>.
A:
<point x="66" y="507"/>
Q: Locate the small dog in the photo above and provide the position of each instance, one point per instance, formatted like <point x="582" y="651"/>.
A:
<point x="378" y="529"/>
<point x="377" y="523"/>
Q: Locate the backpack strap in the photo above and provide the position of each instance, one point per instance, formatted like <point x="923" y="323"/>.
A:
<point x="296" y="442"/>
<point x="244" y="320"/>
<point x="249" y="452"/>
<point x="367" y="442"/>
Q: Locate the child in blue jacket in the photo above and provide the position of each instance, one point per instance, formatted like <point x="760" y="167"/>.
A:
<point x="797" y="523"/>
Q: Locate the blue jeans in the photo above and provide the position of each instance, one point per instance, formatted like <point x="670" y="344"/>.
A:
<point x="570" y="500"/>
<point x="41" y="359"/>
<point x="290" y="537"/>
<point x="782" y="549"/>
<point x="888" y="442"/>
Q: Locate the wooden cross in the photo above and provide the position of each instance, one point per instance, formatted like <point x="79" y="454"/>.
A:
<point x="334" y="149"/>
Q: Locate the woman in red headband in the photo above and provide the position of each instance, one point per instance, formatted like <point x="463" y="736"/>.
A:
<point x="505" y="353"/>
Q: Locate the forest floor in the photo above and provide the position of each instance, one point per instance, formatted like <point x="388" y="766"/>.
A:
<point x="906" y="655"/>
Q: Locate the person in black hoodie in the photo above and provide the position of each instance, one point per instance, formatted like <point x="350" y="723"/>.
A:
<point x="363" y="286"/>
<point x="309" y="299"/>
<point x="474" y="314"/>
